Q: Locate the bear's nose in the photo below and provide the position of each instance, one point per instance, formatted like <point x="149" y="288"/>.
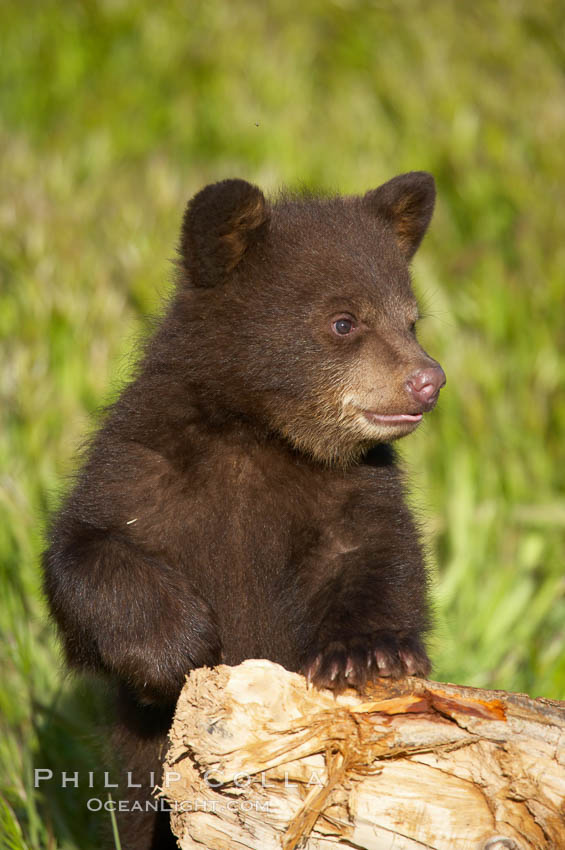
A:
<point x="425" y="384"/>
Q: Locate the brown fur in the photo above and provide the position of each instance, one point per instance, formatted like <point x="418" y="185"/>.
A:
<point x="237" y="502"/>
<point x="248" y="220"/>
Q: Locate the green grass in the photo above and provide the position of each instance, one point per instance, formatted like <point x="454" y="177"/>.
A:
<point x="111" y="115"/>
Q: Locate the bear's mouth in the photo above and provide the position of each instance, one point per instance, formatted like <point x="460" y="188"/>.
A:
<point x="392" y="418"/>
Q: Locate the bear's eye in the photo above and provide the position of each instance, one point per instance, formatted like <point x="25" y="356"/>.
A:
<point x="343" y="325"/>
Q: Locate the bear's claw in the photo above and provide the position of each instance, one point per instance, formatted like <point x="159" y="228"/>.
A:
<point x="352" y="663"/>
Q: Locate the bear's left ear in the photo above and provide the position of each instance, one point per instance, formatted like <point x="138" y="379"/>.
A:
<point x="220" y="223"/>
<point x="406" y="203"/>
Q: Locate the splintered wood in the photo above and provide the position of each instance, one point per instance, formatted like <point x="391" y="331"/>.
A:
<point x="259" y="760"/>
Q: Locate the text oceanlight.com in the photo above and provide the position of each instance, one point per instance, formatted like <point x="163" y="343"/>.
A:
<point x="95" y="804"/>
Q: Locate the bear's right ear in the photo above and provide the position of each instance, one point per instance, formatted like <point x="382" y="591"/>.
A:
<point x="406" y="203"/>
<point x="220" y="223"/>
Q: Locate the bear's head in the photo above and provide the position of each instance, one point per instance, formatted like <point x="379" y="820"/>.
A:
<point x="301" y="315"/>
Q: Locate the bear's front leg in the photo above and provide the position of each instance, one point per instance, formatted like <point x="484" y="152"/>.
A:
<point x="126" y="613"/>
<point x="366" y="621"/>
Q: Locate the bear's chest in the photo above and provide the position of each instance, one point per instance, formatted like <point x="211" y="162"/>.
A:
<point x="276" y="511"/>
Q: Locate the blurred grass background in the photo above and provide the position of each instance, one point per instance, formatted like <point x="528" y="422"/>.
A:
<point x="111" y="115"/>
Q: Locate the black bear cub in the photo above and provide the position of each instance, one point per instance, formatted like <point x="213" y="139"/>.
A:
<point x="241" y="499"/>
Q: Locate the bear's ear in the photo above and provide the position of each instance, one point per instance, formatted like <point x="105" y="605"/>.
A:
<point x="219" y="225"/>
<point x="406" y="202"/>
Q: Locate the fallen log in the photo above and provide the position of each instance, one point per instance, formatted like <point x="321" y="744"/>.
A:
<point x="258" y="759"/>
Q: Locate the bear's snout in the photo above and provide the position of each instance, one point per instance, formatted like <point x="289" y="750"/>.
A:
<point x="424" y="385"/>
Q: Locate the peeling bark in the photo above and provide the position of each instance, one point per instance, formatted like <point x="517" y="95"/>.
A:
<point x="259" y="760"/>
